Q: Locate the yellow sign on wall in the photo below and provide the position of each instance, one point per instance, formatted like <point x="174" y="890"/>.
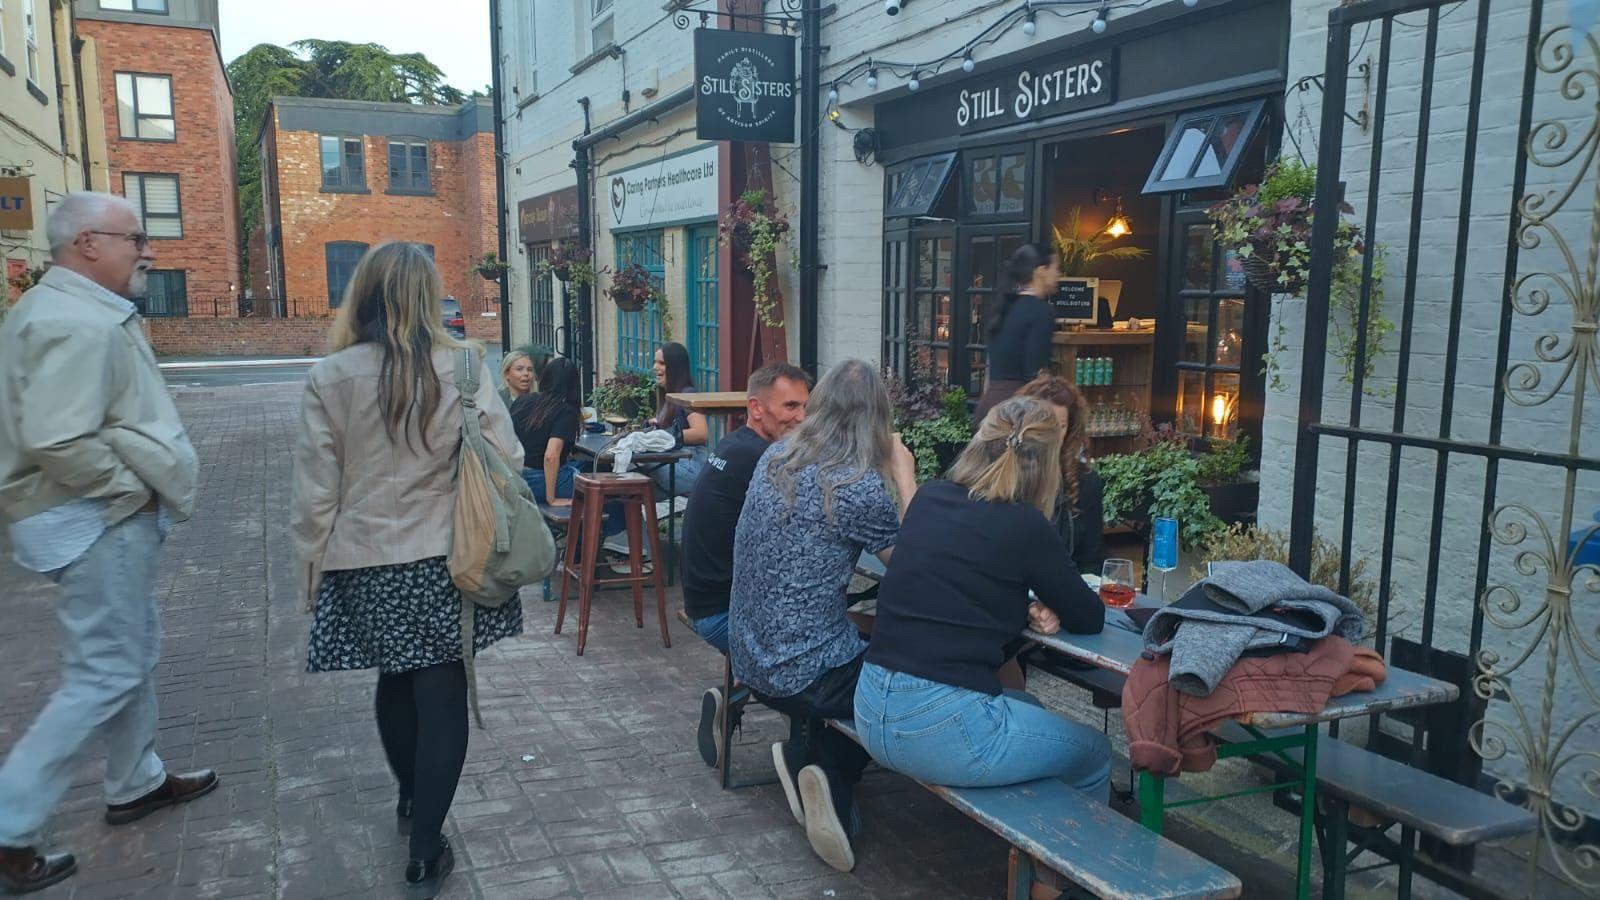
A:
<point x="16" y="204"/>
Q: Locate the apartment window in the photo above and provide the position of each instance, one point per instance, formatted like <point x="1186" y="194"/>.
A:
<point x="166" y="293"/>
<point x="343" y="167"/>
<point x="156" y="196"/>
<point x="146" y="6"/>
<point x="31" y="32"/>
<point x="408" y="167"/>
<point x="342" y="258"/>
<point x="527" y="52"/>
<point x="601" y="29"/>
<point x="144" y="107"/>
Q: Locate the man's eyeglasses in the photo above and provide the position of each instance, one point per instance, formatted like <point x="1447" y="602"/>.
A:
<point x="139" y="238"/>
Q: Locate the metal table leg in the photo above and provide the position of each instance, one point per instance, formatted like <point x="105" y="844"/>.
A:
<point x="1308" y="811"/>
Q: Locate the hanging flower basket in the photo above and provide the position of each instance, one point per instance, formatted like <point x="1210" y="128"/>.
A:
<point x="632" y="288"/>
<point x="750" y="227"/>
<point x="1269" y="226"/>
<point x="569" y="262"/>
<point x="491" y="267"/>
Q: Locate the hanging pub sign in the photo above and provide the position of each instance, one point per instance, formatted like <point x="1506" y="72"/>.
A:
<point x="16" y="205"/>
<point x="744" y="86"/>
<point x="1050" y="87"/>
<point x="548" y="217"/>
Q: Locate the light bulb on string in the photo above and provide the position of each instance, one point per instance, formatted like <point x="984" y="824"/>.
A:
<point x="1191" y="3"/>
<point x="915" y="83"/>
<point x="833" y="94"/>
<point x="1029" y="27"/>
<point x="967" y="65"/>
<point x="872" y="78"/>
<point x="1099" y="23"/>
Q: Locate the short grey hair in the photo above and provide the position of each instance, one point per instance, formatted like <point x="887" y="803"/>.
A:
<point x="82" y="211"/>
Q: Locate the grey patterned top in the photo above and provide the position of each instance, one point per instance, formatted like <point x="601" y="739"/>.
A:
<point x="790" y="569"/>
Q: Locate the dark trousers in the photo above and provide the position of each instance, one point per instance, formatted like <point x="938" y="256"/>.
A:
<point x="422" y="721"/>
<point x="831" y="696"/>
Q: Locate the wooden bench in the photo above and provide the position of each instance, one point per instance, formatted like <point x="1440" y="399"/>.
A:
<point x="1089" y="843"/>
<point x="1396" y="793"/>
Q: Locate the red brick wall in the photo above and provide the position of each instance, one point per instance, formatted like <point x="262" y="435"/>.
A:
<point x="202" y="156"/>
<point x="238" y="337"/>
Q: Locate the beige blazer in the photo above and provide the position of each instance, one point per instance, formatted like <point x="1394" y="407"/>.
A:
<point x="84" y="412"/>
<point x="361" y="499"/>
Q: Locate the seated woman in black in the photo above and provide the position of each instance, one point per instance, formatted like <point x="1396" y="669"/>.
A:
<point x="928" y="702"/>
<point x="1080" y="517"/>
<point x="548" y="424"/>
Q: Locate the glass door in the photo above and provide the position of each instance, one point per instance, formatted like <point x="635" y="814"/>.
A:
<point x="1212" y="350"/>
<point x="703" y="305"/>
<point x="985" y="252"/>
<point x="930" y="329"/>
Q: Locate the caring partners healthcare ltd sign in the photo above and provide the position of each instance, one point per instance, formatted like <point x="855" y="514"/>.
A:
<point x="671" y="190"/>
<point x="744" y="86"/>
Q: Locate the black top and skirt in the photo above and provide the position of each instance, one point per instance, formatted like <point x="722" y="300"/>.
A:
<point x="1017" y="351"/>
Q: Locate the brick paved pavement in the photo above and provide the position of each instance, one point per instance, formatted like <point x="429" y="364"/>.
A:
<point x="585" y="781"/>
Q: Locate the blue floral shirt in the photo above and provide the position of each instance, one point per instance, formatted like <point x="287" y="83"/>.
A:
<point x="791" y="568"/>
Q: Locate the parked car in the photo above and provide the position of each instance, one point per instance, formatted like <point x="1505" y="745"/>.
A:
<point x="454" y="322"/>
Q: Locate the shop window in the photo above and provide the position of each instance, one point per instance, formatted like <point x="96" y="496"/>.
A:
<point x="166" y="293"/>
<point x="930" y="330"/>
<point x="1205" y="148"/>
<point x="156" y="197"/>
<point x="343" y="163"/>
<point x="996" y="184"/>
<point x="895" y="350"/>
<point x="144" y="107"/>
<point x="542" y="299"/>
<point x="639" y="333"/>
<point x="145" y="6"/>
<point x="408" y="167"/>
<point x="1212" y="297"/>
<point x="916" y="188"/>
<point x="342" y="257"/>
<point x="982" y="269"/>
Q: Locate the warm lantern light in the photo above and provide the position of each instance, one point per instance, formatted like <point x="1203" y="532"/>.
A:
<point x="1119" y="226"/>
<point x="1219" y="409"/>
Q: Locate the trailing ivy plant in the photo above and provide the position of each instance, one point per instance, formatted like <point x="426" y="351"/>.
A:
<point x="756" y="231"/>
<point x="1344" y="323"/>
<point x="1160" y="480"/>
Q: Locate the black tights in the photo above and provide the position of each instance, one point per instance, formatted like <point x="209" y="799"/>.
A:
<point x="422" y="721"/>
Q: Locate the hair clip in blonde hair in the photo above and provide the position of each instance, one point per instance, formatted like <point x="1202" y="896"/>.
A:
<point x="1014" y="440"/>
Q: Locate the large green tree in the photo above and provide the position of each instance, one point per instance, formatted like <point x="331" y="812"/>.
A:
<point x="316" y="68"/>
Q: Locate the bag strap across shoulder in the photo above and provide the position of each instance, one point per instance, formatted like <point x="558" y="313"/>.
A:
<point x="466" y="382"/>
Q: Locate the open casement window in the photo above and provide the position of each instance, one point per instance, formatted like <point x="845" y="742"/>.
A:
<point x="1205" y="148"/>
<point x="915" y="188"/>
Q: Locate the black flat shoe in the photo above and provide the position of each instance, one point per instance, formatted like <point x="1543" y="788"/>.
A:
<point x="402" y="816"/>
<point x="24" y="870"/>
<point x="425" y="879"/>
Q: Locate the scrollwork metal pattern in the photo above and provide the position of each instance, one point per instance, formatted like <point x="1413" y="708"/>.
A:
<point x="1548" y="631"/>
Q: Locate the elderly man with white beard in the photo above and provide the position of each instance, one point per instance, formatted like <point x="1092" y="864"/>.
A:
<point x="94" y="466"/>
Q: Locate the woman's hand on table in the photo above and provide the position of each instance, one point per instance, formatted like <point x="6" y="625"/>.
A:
<point x="1042" y="619"/>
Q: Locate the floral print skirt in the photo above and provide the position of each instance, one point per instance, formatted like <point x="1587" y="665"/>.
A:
<point x="398" y="618"/>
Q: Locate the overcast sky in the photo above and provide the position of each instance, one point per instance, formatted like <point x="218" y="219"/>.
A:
<point x="455" y="35"/>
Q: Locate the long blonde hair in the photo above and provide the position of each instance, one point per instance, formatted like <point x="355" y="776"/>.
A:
<point x="392" y="300"/>
<point x="1014" y="456"/>
<point x="846" y="434"/>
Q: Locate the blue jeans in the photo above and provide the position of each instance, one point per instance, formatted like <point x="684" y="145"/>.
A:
<point x="713" y="629"/>
<point x="688" y="473"/>
<point x="953" y="736"/>
<point x="564" y="478"/>
<point x="112" y="636"/>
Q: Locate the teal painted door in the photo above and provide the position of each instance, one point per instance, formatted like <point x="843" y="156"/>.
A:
<point x="639" y="333"/>
<point x="703" y="308"/>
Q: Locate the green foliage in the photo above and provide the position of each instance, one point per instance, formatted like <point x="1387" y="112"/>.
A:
<point x="929" y="415"/>
<point x="756" y="230"/>
<point x="1079" y="254"/>
<point x="317" y="68"/>
<point x="1164" y="480"/>
<point x="624" y="394"/>
<point x="1344" y="323"/>
<point x="1224" y="461"/>
<point x="1290" y="178"/>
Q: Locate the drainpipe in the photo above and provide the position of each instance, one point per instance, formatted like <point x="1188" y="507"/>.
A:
<point x="83" y="112"/>
<point x="810" y="68"/>
<point x="500" y="176"/>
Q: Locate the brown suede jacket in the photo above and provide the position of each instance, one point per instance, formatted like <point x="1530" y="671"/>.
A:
<point x="1169" y="731"/>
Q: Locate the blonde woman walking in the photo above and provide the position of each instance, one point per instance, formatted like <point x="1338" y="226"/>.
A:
<point x="374" y="488"/>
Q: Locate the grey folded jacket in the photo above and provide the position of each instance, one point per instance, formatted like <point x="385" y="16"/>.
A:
<point x="1208" y="642"/>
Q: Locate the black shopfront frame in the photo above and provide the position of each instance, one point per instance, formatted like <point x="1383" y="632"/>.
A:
<point x="904" y="238"/>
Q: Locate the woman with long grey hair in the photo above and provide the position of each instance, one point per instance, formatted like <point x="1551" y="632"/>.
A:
<point x="834" y="487"/>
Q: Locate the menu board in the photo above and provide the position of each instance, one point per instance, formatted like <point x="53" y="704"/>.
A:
<point x="1075" y="299"/>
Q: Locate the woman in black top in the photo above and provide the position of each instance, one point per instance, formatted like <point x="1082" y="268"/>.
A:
<point x="1019" y="332"/>
<point x="673" y="377"/>
<point x="970" y="550"/>
<point x="548" y="424"/>
<point x="1080" y="517"/>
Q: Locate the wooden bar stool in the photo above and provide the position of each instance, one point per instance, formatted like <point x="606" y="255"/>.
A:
<point x="590" y="495"/>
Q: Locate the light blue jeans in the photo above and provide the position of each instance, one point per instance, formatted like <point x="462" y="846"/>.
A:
<point x="112" y="636"/>
<point x="688" y="473"/>
<point x="953" y="736"/>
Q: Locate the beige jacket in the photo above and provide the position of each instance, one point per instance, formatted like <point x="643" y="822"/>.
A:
<point x="361" y="499"/>
<point x="84" y="412"/>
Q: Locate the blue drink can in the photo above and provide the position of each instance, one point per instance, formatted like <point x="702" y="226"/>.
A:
<point x="1164" y="553"/>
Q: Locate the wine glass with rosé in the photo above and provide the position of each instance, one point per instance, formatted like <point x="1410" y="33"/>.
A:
<point x="1116" y="583"/>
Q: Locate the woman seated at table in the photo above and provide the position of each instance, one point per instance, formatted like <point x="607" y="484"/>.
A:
<point x="1079" y="516"/>
<point x="929" y="703"/>
<point x="672" y="377"/>
<point x="548" y="424"/>
<point x="516" y="377"/>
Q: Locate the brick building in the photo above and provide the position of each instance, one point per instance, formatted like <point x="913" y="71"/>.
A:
<point x="160" y="104"/>
<point x="339" y="176"/>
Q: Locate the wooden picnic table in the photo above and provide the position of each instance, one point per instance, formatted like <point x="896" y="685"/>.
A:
<point x="1118" y="646"/>
<point x="596" y="448"/>
<point x="710" y="401"/>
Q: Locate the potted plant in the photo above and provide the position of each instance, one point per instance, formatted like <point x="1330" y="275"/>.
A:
<point x="633" y="288"/>
<point x="1079" y="254"/>
<point x="491" y="267"/>
<point x="569" y="262"/>
<point x="1224" y="475"/>
<point x="625" y="394"/>
<point x="1162" y="480"/>
<point x="754" y="229"/>
<point x="932" y="419"/>
<point x="1269" y="226"/>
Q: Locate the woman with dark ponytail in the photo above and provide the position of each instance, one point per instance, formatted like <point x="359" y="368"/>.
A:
<point x="1020" y="329"/>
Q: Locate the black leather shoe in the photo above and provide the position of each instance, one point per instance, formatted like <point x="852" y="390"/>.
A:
<point x="23" y="870"/>
<point x="402" y="816"/>
<point x="176" y="789"/>
<point x="424" y="879"/>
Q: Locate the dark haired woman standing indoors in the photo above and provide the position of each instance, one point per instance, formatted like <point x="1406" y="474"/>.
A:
<point x="1019" y="334"/>
<point x="374" y="490"/>
<point x="672" y="377"/>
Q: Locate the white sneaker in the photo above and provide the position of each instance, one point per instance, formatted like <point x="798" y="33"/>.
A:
<point x="823" y="828"/>
<point x="618" y="544"/>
